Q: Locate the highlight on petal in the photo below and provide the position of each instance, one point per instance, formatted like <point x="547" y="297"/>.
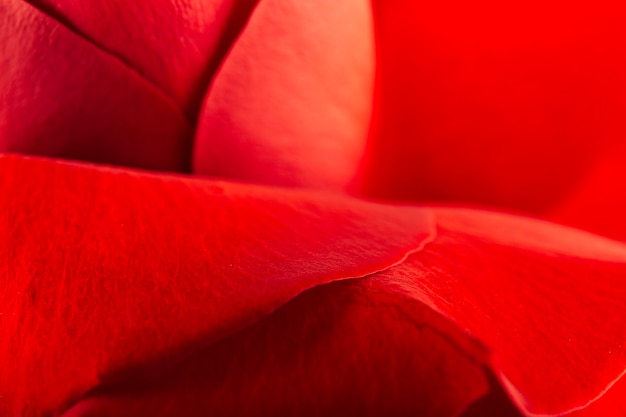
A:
<point x="176" y="44"/>
<point x="495" y="103"/>
<point x="109" y="274"/>
<point x="291" y="105"/>
<point x="498" y="316"/>
<point x="61" y="96"/>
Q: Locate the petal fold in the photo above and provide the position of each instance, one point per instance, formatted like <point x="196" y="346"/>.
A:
<point x="176" y="45"/>
<point x="62" y="97"/>
<point x="546" y="301"/>
<point x="498" y="316"/>
<point x="108" y="273"/>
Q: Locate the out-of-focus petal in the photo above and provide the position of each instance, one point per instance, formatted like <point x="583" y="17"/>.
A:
<point x="598" y="203"/>
<point x="107" y="273"/>
<point x="292" y="103"/>
<point x="496" y="103"/>
<point x="176" y="44"/>
<point x="62" y="96"/>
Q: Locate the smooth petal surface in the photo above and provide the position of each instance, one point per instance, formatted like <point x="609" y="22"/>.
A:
<point x="175" y="44"/>
<point x="536" y="305"/>
<point x="292" y="103"/>
<point x="598" y="203"/>
<point x="63" y="97"/>
<point x="107" y="274"/>
<point x="351" y="348"/>
<point x="497" y="103"/>
<point x="546" y="301"/>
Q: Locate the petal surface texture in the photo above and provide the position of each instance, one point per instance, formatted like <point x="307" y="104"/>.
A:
<point x="538" y="306"/>
<point x="61" y="96"/>
<point x="107" y="273"/>
<point x="499" y="104"/>
<point x="292" y="103"/>
<point x="175" y="44"/>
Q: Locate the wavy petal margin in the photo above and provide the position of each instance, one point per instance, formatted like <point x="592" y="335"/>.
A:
<point x="498" y="316"/>
<point x="107" y="272"/>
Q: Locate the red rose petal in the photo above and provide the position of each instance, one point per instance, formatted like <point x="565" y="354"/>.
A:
<point x="496" y="103"/>
<point x="537" y="304"/>
<point x="547" y="301"/>
<point x="291" y="104"/>
<point x="61" y="96"/>
<point x="351" y="348"/>
<point x="177" y="45"/>
<point x="106" y="272"/>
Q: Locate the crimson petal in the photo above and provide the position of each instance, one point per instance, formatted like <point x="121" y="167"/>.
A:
<point x="537" y="305"/>
<point x="108" y="273"/>
<point x="176" y="45"/>
<point x="61" y="96"/>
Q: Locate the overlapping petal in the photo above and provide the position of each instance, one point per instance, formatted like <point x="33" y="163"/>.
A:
<point x="498" y="316"/>
<point x="170" y="290"/>
<point x="292" y="103"/>
<point x="61" y="96"/>
<point x="453" y="330"/>
<point x="546" y="301"/>
<point x="175" y="45"/>
<point x="108" y="273"/>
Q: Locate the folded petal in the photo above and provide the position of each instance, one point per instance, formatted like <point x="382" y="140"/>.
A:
<point x="546" y="301"/>
<point x="109" y="273"/>
<point x="62" y="96"/>
<point x="291" y="105"/>
<point x="496" y="103"/>
<point x="176" y="45"/>
<point x="498" y="316"/>
<point x="350" y="348"/>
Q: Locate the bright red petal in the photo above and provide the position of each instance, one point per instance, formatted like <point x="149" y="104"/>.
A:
<point x="109" y="273"/>
<point x="536" y="305"/>
<point x="292" y="103"/>
<point x="546" y="301"/>
<point x="496" y="103"/>
<point x="62" y="96"/>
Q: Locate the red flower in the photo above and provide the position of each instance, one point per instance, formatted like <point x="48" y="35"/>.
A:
<point x="129" y="293"/>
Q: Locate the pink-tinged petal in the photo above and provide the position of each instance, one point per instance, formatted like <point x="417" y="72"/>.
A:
<point x="546" y="301"/>
<point x="61" y="96"/>
<point x="107" y="273"/>
<point x="349" y="348"/>
<point x="176" y="44"/>
<point x="495" y="103"/>
<point x="292" y="103"/>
